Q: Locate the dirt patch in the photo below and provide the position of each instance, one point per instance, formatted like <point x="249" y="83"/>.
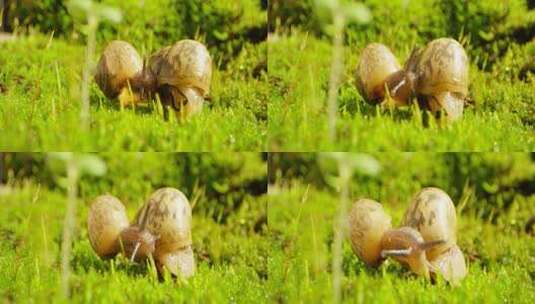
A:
<point x="6" y="37"/>
<point x="523" y="34"/>
<point x="527" y="68"/>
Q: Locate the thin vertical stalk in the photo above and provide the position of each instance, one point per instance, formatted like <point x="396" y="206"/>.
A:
<point x="69" y="224"/>
<point x="337" y="65"/>
<point x="2" y="15"/>
<point x="84" y="113"/>
<point x="2" y="155"/>
<point x="4" y="12"/>
<point x="340" y="231"/>
<point x="58" y="83"/>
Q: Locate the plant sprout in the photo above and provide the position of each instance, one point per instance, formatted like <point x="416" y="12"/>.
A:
<point x="341" y="13"/>
<point x="75" y="166"/>
<point x="346" y="165"/>
<point x="92" y="14"/>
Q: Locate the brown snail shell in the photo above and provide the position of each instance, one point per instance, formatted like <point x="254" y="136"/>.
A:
<point x="367" y="223"/>
<point x="432" y="213"/>
<point x="379" y="71"/>
<point x="105" y="222"/>
<point x="441" y="72"/>
<point x="183" y="75"/>
<point x="167" y="215"/>
<point x="118" y="65"/>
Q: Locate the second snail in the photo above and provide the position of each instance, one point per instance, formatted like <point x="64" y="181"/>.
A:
<point x="161" y="230"/>
<point x="426" y="242"/>
<point x="436" y="76"/>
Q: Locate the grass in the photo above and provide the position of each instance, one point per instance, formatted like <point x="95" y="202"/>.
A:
<point x="499" y="116"/>
<point x="230" y="251"/>
<point x="40" y="107"/>
<point x="302" y="214"/>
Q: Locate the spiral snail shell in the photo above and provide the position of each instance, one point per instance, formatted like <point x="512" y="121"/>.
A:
<point x="167" y="215"/>
<point x="105" y="222"/>
<point x="181" y="74"/>
<point x="441" y="76"/>
<point x="432" y="213"/>
<point x="367" y="224"/>
<point x="119" y="64"/>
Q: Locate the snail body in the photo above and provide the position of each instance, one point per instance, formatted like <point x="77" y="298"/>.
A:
<point x="407" y="246"/>
<point x="137" y="244"/>
<point x="450" y="265"/>
<point x="119" y="64"/>
<point x="441" y="76"/>
<point x="379" y="71"/>
<point x="106" y="220"/>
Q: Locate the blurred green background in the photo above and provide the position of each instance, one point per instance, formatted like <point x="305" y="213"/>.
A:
<point x="488" y="27"/>
<point x="493" y="180"/>
<point x="225" y="26"/>
<point x="494" y="194"/>
<point x="227" y="191"/>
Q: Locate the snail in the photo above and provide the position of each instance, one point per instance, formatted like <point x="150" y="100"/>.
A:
<point x="432" y="214"/>
<point x="119" y="64"/>
<point x="180" y="74"/>
<point x="440" y="76"/>
<point x="379" y="73"/>
<point x="105" y="222"/>
<point x="167" y="216"/>
<point x="367" y="224"/>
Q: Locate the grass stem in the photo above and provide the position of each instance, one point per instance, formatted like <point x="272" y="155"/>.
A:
<point x="340" y="231"/>
<point x="337" y="66"/>
<point x="69" y="225"/>
<point x="90" y="49"/>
